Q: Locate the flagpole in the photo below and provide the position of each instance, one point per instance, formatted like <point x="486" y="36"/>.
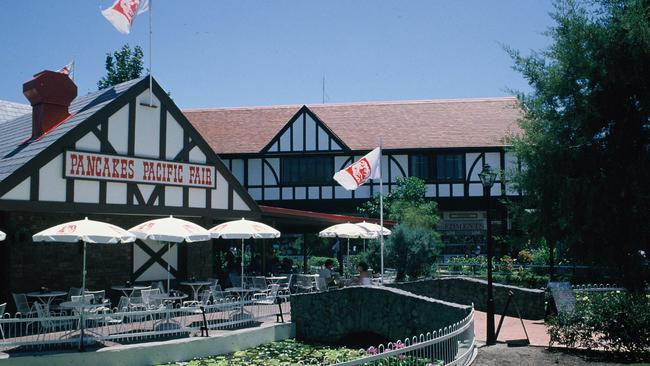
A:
<point x="381" y="209"/>
<point x="73" y="71"/>
<point x="150" y="54"/>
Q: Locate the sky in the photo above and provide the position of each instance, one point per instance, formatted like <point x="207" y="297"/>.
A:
<point x="217" y="53"/>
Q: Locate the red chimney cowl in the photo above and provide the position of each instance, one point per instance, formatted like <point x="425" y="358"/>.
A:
<point x="50" y="94"/>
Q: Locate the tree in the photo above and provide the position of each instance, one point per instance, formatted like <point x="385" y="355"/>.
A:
<point x="123" y="65"/>
<point x="414" y="244"/>
<point x="585" y="145"/>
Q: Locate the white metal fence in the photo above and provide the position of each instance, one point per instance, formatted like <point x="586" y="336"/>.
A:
<point x="112" y="326"/>
<point x="452" y="345"/>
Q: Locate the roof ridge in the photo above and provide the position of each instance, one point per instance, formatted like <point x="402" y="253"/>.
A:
<point x="367" y="103"/>
<point x="212" y="109"/>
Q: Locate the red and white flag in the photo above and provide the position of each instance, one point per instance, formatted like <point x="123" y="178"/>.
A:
<point x="355" y="175"/>
<point x="123" y="12"/>
<point x="67" y="69"/>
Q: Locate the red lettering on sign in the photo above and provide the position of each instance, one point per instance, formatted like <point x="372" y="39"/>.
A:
<point x="80" y="166"/>
<point x="106" y="172"/>
<point x="208" y="180"/>
<point x="73" y="163"/>
<point x="180" y="174"/>
<point x="90" y="165"/>
<point x="131" y="171"/>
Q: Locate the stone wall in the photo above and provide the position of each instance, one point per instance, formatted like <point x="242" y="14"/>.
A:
<point x="327" y="317"/>
<point x="462" y="290"/>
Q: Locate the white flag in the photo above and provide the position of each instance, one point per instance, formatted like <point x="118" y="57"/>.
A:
<point x="123" y="12"/>
<point x="368" y="167"/>
<point x="67" y="69"/>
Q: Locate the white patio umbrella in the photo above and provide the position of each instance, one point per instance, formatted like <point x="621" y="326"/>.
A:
<point x="347" y="231"/>
<point x="86" y="231"/>
<point x="373" y="228"/>
<point x="170" y="230"/>
<point x="2" y="236"/>
<point x="244" y="229"/>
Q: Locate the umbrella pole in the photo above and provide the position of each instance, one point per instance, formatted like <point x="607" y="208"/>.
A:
<point x="242" y="263"/>
<point x="83" y="293"/>
<point x="168" y="266"/>
<point x="347" y="259"/>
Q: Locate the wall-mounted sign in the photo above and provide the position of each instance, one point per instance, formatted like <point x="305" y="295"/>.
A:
<point x="87" y="165"/>
<point x="462" y="226"/>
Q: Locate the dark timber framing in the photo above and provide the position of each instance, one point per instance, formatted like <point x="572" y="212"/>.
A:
<point x="135" y="204"/>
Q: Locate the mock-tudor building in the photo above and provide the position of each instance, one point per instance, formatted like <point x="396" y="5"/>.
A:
<point x="114" y="155"/>
<point x="285" y="156"/>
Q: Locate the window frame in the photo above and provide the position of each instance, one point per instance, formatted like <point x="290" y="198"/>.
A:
<point x="311" y="182"/>
<point x="433" y="167"/>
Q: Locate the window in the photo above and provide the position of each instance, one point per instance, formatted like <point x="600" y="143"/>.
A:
<point x="450" y="167"/>
<point x="421" y="166"/>
<point x="307" y="170"/>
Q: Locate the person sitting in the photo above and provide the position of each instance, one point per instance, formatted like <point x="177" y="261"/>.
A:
<point x="364" y="276"/>
<point x="327" y="273"/>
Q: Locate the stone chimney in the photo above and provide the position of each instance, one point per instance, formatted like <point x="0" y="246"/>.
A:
<point x="50" y="94"/>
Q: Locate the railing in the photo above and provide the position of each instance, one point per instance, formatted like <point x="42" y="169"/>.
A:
<point x="452" y="345"/>
<point x="112" y="326"/>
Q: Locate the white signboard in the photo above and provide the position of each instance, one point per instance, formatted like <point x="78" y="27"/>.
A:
<point x="86" y="165"/>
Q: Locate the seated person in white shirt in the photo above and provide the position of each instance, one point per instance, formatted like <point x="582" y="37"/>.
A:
<point x="327" y="273"/>
<point x="364" y="276"/>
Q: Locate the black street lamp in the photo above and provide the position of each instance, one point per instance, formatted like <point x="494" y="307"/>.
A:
<point x="487" y="177"/>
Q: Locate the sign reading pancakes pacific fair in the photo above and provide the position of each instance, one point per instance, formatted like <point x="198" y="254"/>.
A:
<point x="94" y="166"/>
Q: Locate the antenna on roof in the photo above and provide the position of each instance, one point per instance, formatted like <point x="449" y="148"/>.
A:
<point x="323" y="88"/>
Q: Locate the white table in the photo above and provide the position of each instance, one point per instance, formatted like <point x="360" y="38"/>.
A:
<point x="274" y="280"/>
<point x="168" y="300"/>
<point x="128" y="290"/>
<point x="84" y="308"/>
<point x="46" y="297"/>
<point x="196" y="287"/>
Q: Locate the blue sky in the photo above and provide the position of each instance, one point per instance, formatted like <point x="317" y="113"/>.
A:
<point x="210" y="53"/>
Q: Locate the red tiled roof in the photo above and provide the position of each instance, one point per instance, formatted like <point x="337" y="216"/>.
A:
<point x="402" y="125"/>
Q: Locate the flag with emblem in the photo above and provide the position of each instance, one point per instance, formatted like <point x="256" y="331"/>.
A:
<point x="67" y="69"/>
<point x="123" y="12"/>
<point x="355" y="175"/>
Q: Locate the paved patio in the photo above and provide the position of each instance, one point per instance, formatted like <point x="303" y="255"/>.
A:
<point x="512" y="329"/>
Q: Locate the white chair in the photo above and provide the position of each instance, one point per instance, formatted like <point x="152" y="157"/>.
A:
<point x="49" y="323"/>
<point x="22" y="306"/>
<point x="204" y="298"/>
<point x="148" y="299"/>
<point x="258" y="283"/>
<point x="285" y="285"/>
<point x="267" y="298"/>
<point x="2" y="313"/>
<point x="304" y="284"/>
<point x="86" y="299"/>
<point x="321" y="284"/>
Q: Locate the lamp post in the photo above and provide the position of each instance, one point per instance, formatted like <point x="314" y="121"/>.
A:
<point x="487" y="177"/>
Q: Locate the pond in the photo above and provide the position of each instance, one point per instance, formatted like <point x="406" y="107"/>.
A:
<point x="291" y="352"/>
<point x="287" y="352"/>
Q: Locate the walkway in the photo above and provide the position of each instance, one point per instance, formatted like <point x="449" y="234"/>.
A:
<point x="511" y="329"/>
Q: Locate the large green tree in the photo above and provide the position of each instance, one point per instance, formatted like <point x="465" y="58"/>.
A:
<point x="585" y="145"/>
<point x="122" y="65"/>
<point x="414" y="244"/>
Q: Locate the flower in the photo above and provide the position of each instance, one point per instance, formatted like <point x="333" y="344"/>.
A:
<point x="372" y="350"/>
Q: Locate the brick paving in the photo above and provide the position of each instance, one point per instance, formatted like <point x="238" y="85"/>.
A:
<point x="512" y="329"/>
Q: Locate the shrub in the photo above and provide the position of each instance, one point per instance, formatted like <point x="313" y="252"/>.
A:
<point x="613" y="321"/>
<point x="319" y="262"/>
<point x="525" y="257"/>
